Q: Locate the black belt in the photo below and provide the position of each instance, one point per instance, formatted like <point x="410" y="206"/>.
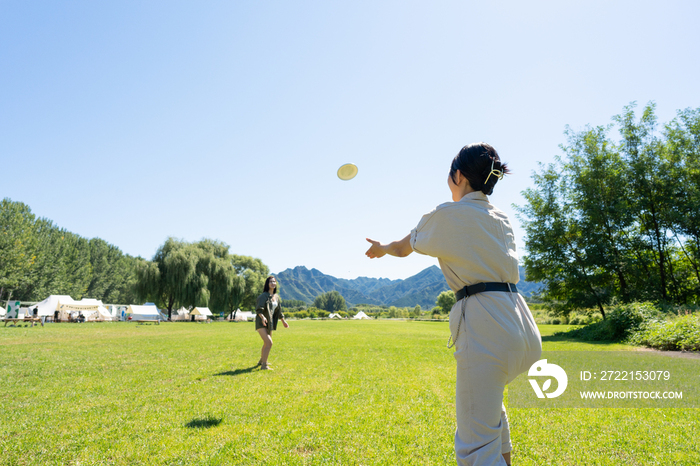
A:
<point x="481" y="287"/>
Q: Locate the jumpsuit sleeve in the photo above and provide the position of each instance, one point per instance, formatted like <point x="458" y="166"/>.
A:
<point x="426" y="236"/>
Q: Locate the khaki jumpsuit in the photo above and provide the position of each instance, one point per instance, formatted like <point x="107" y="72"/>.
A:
<point x="496" y="336"/>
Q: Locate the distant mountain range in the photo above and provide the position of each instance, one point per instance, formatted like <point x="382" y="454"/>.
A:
<point x="423" y="288"/>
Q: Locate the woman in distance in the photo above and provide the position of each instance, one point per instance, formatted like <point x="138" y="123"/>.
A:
<point x="269" y="311"/>
<point x="494" y="333"/>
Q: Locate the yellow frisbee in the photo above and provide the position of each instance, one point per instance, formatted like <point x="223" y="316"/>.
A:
<point x="347" y="172"/>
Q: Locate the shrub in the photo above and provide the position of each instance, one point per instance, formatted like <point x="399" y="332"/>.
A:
<point x="625" y="319"/>
<point x="680" y="334"/>
<point x="555" y="321"/>
<point x="622" y="321"/>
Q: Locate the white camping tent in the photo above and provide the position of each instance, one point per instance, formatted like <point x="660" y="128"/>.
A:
<point x="361" y="315"/>
<point x="63" y="307"/>
<point x="334" y="315"/>
<point x="242" y="316"/>
<point x="200" y="313"/>
<point x="100" y="314"/>
<point x="50" y="305"/>
<point x="143" y="312"/>
<point x="180" y="314"/>
<point x="67" y="307"/>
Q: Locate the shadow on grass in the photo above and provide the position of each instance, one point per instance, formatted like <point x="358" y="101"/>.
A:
<point x="204" y="423"/>
<point x="567" y="338"/>
<point x="247" y="370"/>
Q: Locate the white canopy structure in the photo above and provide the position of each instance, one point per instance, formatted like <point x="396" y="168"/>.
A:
<point x="334" y="315"/>
<point x="143" y="312"/>
<point x="361" y="315"/>
<point x="242" y="316"/>
<point x="180" y="314"/>
<point x="65" y="306"/>
<point x="50" y="305"/>
<point x="200" y="313"/>
<point x="99" y="314"/>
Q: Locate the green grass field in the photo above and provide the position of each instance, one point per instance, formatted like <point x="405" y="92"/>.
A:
<point x="342" y="393"/>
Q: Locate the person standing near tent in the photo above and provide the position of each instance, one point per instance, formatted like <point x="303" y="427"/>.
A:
<point x="268" y="311"/>
<point x="494" y="333"/>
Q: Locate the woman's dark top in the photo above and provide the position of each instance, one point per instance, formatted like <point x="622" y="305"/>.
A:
<point x="264" y="307"/>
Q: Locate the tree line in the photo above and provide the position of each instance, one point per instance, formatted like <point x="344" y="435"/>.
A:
<point x="38" y="259"/>
<point x="618" y="221"/>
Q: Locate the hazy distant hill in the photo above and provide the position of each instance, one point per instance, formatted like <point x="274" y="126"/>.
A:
<point x="423" y="288"/>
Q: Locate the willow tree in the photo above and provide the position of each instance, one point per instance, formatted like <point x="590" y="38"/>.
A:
<point x="171" y="279"/>
<point x="200" y="274"/>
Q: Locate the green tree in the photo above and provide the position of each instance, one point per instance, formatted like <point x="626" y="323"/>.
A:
<point x="445" y="301"/>
<point x="113" y="273"/>
<point x="200" y="274"/>
<point x="416" y="311"/>
<point x="683" y="149"/>
<point x="293" y="303"/>
<point x="171" y="278"/>
<point x="17" y="245"/>
<point x="251" y="273"/>
<point x="652" y="196"/>
<point x="331" y="301"/>
<point x="608" y="220"/>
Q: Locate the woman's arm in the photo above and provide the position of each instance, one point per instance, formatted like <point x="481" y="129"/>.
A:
<point x="401" y="248"/>
<point x="281" y="314"/>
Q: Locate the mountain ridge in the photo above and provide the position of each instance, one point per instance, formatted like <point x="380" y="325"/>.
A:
<point x="421" y="289"/>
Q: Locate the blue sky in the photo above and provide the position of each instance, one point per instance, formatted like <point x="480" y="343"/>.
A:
<point x="135" y="121"/>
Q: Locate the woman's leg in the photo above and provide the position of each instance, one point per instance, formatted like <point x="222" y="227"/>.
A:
<point x="267" y="345"/>
<point x="479" y="439"/>
<point x="481" y="379"/>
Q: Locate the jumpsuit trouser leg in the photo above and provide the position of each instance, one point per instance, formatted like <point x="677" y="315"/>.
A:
<point x="485" y="350"/>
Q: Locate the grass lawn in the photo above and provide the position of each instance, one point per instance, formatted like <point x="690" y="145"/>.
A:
<point x="346" y="393"/>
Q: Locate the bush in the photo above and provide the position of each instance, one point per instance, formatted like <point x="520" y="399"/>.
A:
<point x="555" y="321"/>
<point x="680" y="334"/>
<point x="623" y="320"/>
